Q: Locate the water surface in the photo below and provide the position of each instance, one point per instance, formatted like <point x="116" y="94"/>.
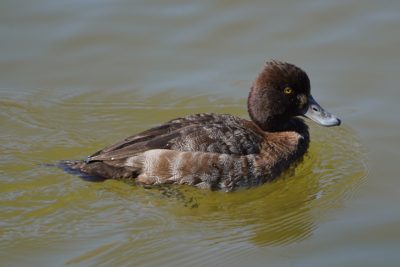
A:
<point x="79" y="75"/>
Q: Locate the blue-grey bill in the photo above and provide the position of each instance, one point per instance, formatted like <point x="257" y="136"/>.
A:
<point x="316" y="113"/>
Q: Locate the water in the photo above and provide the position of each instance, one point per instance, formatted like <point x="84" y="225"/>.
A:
<point x="79" y="75"/>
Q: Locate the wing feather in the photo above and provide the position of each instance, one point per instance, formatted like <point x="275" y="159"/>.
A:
<point x="201" y="132"/>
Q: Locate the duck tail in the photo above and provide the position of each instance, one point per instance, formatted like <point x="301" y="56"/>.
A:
<point x="77" y="167"/>
<point x="71" y="164"/>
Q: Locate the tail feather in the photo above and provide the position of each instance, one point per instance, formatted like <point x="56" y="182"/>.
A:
<point x="75" y="168"/>
<point x="98" y="170"/>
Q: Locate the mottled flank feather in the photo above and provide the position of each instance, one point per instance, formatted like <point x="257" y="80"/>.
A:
<point x="218" y="171"/>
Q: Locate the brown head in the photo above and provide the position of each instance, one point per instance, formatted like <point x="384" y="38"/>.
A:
<point x="279" y="93"/>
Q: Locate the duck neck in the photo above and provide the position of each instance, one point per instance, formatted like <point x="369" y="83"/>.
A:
<point x="270" y="123"/>
<point x="268" y="120"/>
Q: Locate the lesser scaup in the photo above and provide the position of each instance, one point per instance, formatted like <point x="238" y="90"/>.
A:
<point x="221" y="151"/>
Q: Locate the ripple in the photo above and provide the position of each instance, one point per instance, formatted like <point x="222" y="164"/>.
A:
<point x="114" y="221"/>
<point x="288" y="209"/>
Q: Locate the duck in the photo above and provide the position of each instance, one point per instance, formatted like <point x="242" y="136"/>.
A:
<point x="221" y="151"/>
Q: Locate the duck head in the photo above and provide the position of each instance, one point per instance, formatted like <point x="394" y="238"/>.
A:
<point x="280" y="92"/>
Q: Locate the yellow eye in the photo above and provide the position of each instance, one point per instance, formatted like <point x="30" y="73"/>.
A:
<point x="288" y="91"/>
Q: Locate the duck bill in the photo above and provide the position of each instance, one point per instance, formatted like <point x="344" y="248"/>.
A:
<point x="316" y="113"/>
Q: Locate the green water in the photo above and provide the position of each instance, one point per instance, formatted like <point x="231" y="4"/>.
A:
<point x="78" y="76"/>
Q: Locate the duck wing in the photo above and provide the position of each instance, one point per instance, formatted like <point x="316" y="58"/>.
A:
<point x="156" y="133"/>
<point x="217" y="133"/>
